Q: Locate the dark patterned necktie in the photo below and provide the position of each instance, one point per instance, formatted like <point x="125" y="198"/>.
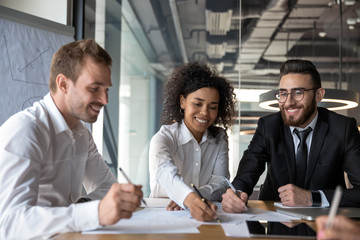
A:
<point x="301" y="157"/>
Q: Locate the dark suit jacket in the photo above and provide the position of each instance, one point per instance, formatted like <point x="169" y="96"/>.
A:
<point x="335" y="148"/>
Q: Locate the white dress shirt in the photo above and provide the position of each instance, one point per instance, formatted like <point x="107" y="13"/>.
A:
<point x="177" y="160"/>
<point x="43" y="166"/>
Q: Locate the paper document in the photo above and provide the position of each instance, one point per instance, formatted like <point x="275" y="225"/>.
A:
<point x="152" y="220"/>
<point x="234" y="224"/>
<point x="156" y="202"/>
<point x="236" y="230"/>
<point x="156" y="219"/>
<point x="252" y="214"/>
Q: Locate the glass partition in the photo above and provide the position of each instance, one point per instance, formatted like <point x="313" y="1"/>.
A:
<point x="246" y="40"/>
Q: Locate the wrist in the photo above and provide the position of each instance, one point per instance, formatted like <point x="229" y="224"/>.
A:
<point x="189" y="199"/>
<point x="315" y="198"/>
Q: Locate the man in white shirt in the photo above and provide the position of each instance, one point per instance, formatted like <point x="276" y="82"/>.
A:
<point x="47" y="155"/>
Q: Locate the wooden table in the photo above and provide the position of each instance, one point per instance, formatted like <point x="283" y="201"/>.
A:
<point x="207" y="232"/>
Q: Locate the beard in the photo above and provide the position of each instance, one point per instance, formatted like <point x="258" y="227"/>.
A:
<point x="307" y="112"/>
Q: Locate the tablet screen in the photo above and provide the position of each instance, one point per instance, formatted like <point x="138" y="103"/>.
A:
<point x="267" y="229"/>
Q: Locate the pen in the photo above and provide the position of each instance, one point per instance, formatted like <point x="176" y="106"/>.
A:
<point x="334" y="206"/>
<point x="129" y="181"/>
<point x="233" y="188"/>
<point x="202" y="198"/>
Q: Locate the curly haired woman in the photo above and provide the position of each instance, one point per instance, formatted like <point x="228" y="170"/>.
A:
<point x="192" y="145"/>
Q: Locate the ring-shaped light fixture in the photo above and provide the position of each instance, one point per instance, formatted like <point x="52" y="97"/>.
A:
<point x="334" y="100"/>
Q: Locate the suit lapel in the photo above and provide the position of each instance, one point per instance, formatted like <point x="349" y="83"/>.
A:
<point x="316" y="144"/>
<point x="289" y="150"/>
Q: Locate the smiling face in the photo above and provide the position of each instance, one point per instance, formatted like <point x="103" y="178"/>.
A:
<point x="85" y="98"/>
<point x="200" y="110"/>
<point x="299" y="113"/>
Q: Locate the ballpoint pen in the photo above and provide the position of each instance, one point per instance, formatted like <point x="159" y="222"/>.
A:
<point x="203" y="199"/>
<point x="129" y="181"/>
<point x="233" y="188"/>
<point x="334" y="206"/>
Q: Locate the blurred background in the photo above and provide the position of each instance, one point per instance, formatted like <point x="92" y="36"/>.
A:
<point x="245" y="40"/>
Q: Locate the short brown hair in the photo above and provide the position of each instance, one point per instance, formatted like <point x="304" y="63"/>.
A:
<point x="68" y="60"/>
<point x="302" y="67"/>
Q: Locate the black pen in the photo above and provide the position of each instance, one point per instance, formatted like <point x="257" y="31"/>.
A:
<point x="233" y="189"/>
<point x="203" y="199"/>
<point x="129" y="181"/>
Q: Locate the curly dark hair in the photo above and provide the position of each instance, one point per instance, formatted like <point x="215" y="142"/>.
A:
<point x="189" y="78"/>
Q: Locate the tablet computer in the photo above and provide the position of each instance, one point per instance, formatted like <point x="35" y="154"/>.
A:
<point x="311" y="214"/>
<point x="288" y="230"/>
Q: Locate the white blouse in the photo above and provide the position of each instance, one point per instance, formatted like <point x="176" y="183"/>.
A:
<point x="177" y="160"/>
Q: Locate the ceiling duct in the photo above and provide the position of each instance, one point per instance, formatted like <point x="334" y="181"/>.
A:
<point x="216" y="45"/>
<point x="260" y="36"/>
<point x="216" y="50"/>
<point x="218" y="16"/>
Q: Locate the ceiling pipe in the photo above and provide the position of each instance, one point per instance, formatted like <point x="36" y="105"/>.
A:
<point x="179" y="35"/>
<point x="340" y="46"/>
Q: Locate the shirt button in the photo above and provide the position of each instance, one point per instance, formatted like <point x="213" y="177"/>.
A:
<point x="197" y="149"/>
<point x="196" y="164"/>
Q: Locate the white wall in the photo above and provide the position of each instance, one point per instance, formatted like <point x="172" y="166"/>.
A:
<point x="53" y="10"/>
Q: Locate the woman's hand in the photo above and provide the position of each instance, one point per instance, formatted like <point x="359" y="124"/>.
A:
<point x="199" y="209"/>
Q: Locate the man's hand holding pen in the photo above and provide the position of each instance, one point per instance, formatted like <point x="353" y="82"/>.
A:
<point x="119" y="202"/>
<point x="234" y="202"/>
<point x="199" y="209"/>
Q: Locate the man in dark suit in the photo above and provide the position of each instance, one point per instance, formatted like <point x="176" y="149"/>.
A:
<point x="331" y="146"/>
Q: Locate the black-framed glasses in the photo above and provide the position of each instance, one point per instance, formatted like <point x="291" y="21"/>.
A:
<point x="297" y="94"/>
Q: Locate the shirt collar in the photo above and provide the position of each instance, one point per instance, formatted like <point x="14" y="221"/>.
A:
<point x="312" y="124"/>
<point x="186" y="136"/>
<point x="58" y="120"/>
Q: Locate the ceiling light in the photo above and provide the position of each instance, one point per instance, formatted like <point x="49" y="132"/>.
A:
<point x="351" y="21"/>
<point x="322" y="34"/>
<point x="248" y="95"/>
<point x="246" y="132"/>
<point x="334" y="100"/>
<point x="349" y="2"/>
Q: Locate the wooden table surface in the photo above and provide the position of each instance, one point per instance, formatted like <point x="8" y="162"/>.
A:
<point x="207" y="232"/>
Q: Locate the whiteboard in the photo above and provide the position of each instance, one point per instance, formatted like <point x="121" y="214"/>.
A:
<point x="27" y="44"/>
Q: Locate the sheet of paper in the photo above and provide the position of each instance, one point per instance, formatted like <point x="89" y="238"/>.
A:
<point x="156" y="219"/>
<point x="234" y="225"/>
<point x="231" y="218"/>
<point x="156" y="202"/>
<point x="236" y="230"/>
<point x="172" y="229"/>
<point x="252" y="214"/>
<point x="153" y="220"/>
<point x="234" y="218"/>
<point x="274" y="217"/>
<point x="279" y="204"/>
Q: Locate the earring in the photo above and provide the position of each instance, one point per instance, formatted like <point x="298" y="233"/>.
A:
<point x="181" y="111"/>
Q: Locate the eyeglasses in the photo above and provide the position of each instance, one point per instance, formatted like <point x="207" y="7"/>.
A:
<point x="297" y="94"/>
